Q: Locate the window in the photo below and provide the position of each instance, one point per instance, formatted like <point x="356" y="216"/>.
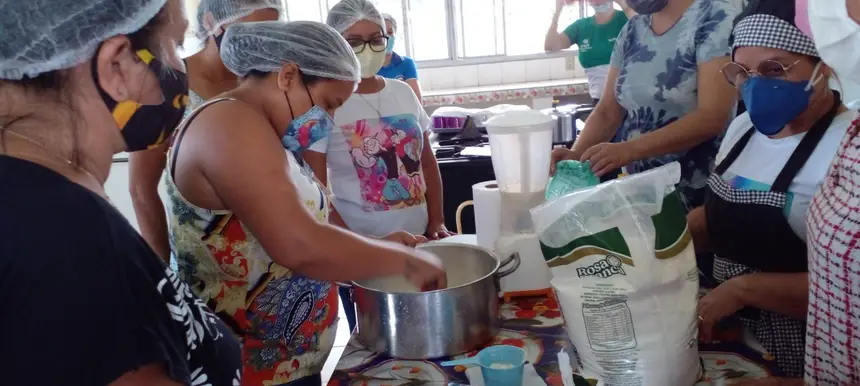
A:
<point x="433" y="30"/>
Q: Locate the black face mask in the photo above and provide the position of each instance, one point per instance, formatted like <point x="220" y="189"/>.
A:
<point x="147" y="126"/>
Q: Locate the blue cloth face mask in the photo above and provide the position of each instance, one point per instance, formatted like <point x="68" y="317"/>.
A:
<point x="306" y="129"/>
<point x="773" y="103"/>
<point x="390" y="47"/>
<point x="647" y="7"/>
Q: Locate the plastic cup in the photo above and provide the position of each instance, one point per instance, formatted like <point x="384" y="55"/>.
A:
<point x="502" y="365"/>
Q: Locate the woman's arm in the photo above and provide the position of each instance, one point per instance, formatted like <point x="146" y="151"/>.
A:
<point x="604" y="121"/>
<point x="556" y="41"/>
<point x="416" y="86"/>
<point x="433" y="178"/>
<point x="782" y="293"/>
<point x="697" y="222"/>
<point x="148" y="375"/>
<point x="248" y="174"/>
<point x="145" y="169"/>
<point x="716" y="101"/>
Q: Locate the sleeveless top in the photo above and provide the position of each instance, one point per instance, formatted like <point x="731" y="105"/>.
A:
<point x="286" y="322"/>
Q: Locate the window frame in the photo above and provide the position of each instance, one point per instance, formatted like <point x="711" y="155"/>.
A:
<point x="456" y="37"/>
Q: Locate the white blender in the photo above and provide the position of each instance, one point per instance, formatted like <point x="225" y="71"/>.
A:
<point x="520" y="146"/>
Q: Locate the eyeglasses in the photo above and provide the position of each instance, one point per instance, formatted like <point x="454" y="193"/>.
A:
<point x="737" y="74"/>
<point x="376" y="44"/>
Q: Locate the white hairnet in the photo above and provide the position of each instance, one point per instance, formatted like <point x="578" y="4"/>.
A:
<point x="266" y="46"/>
<point x="40" y="36"/>
<point x="348" y="12"/>
<point x="389" y="18"/>
<point x="214" y="14"/>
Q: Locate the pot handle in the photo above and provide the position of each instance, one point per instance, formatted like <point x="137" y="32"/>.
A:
<point x="513" y="262"/>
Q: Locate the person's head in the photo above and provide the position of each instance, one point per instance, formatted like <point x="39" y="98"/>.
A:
<point x="834" y="25"/>
<point x="93" y="77"/>
<point x="308" y="61"/>
<point x="390" y="31"/>
<point x="775" y="66"/>
<point x="364" y="29"/>
<point x="601" y="6"/>
<point x="214" y="16"/>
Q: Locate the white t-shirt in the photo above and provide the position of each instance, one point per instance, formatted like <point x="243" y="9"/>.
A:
<point x="763" y="158"/>
<point x="374" y="161"/>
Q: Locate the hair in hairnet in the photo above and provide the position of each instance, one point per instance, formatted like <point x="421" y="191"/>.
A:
<point x="40" y="36"/>
<point x="348" y="12"/>
<point x="212" y="15"/>
<point x="389" y="18"/>
<point x="266" y="46"/>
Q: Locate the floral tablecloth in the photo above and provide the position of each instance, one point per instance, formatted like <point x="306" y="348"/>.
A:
<point x="535" y="325"/>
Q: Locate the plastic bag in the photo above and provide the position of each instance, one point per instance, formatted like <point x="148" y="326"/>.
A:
<point x="624" y="272"/>
<point x="570" y="176"/>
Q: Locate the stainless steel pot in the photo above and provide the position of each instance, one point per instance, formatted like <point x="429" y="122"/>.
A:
<point x="423" y="325"/>
<point x="563" y="132"/>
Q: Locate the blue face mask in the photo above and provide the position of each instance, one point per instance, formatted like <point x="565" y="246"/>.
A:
<point x="306" y="129"/>
<point x="390" y="47"/>
<point x="773" y="103"/>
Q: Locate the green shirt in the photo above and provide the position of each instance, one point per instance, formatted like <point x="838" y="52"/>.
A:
<point x="595" y="41"/>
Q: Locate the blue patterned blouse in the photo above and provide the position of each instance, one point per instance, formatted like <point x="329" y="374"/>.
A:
<point x="657" y="82"/>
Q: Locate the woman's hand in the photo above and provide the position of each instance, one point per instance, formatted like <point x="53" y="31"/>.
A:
<point x="424" y="270"/>
<point x="436" y="230"/>
<point x="561" y="154"/>
<point x="721" y="302"/>
<point x="606" y="157"/>
<point x="405" y="238"/>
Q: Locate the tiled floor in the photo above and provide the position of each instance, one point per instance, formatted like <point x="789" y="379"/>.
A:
<point x="340" y="341"/>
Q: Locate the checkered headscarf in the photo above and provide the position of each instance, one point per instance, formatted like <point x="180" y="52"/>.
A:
<point x="770" y="23"/>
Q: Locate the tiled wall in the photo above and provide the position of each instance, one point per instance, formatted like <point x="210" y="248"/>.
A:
<point x="493" y="74"/>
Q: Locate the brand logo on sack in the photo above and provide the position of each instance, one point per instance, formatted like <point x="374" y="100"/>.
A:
<point x="608" y="266"/>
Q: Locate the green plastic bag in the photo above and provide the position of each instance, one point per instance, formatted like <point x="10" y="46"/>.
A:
<point x="570" y="176"/>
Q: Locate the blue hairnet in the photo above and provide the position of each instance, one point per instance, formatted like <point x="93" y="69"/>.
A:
<point x="266" y="46"/>
<point x="40" y="36"/>
<point x="348" y="12"/>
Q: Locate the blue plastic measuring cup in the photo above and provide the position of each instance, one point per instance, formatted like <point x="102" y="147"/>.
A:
<point x="500" y="365"/>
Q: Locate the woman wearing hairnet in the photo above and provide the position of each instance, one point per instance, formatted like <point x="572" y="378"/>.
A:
<point x="247" y="218"/>
<point x="207" y="78"/>
<point x="398" y="66"/>
<point x="84" y="296"/>
<point x="384" y="175"/>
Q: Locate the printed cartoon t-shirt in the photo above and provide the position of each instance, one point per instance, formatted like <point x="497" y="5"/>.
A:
<point x="374" y="161"/>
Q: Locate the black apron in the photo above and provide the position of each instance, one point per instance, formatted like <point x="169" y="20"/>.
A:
<point x="749" y="232"/>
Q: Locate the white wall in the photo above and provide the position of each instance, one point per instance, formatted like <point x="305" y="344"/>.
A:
<point x="116" y="188"/>
<point x="494" y="74"/>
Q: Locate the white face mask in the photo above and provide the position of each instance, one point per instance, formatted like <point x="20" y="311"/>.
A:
<point x="370" y="62"/>
<point x="602" y="8"/>
<point x="836" y="36"/>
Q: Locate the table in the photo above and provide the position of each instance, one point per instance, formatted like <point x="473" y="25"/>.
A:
<point x="536" y="325"/>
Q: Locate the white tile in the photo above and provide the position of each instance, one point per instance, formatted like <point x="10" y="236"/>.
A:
<point x="443" y="78"/>
<point x="542" y="103"/>
<point x="513" y="72"/>
<point x="489" y="74"/>
<point x="559" y="71"/>
<point x="465" y="76"/>
<point x="538" y="70"/>
<point x="579" y="72"/>
<point x="428" y="77"/>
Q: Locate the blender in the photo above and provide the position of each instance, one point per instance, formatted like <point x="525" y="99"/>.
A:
<point x="520" y="146"/>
